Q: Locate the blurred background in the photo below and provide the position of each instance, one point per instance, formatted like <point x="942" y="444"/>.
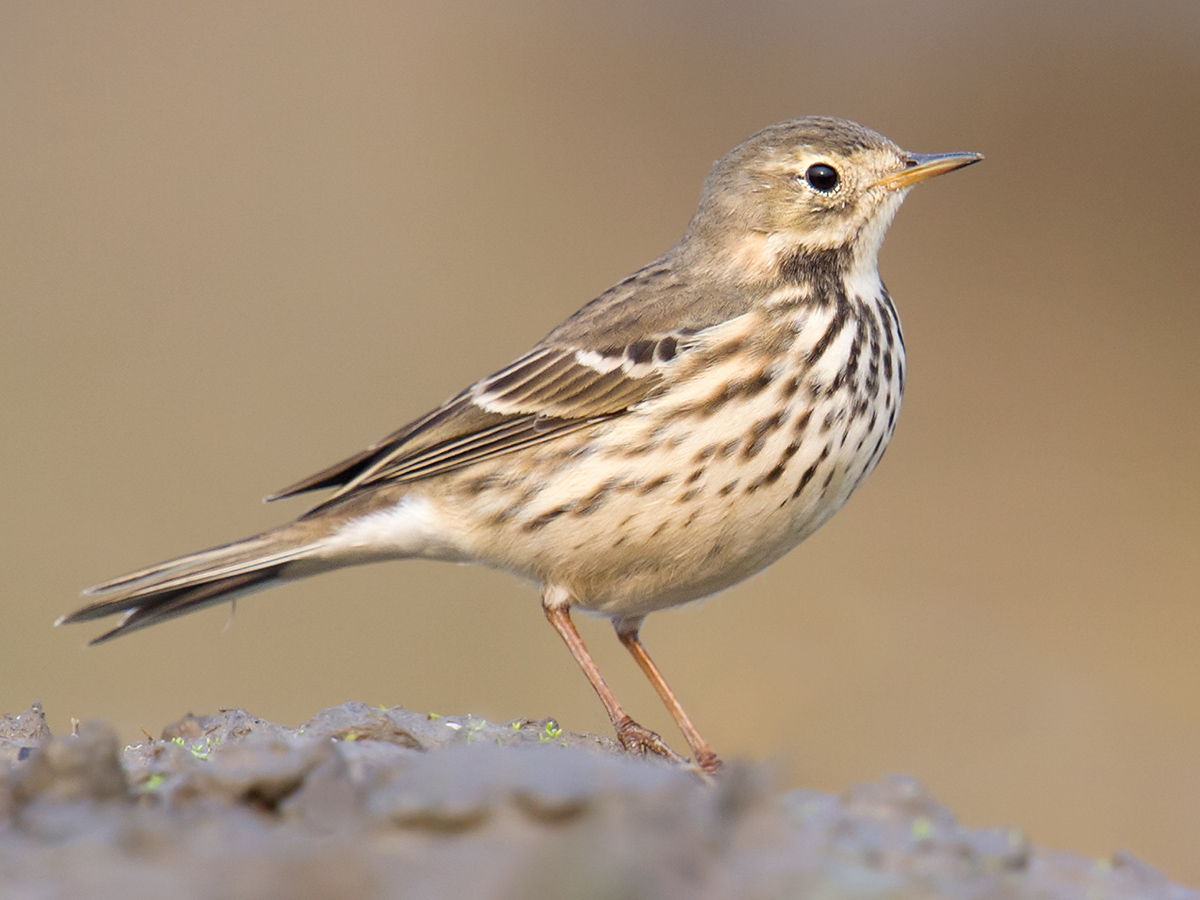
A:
<point x="243" y="240"/>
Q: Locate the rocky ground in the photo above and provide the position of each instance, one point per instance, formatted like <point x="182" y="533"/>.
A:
<point x="363" y="803"/>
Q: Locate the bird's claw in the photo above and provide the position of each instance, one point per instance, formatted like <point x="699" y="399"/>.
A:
<point x="642" y="741"/>
<point x="709" y="762"/>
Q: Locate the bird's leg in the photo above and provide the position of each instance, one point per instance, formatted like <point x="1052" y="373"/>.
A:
<point x="705" y="758"/>
<point x="633" y="737"/>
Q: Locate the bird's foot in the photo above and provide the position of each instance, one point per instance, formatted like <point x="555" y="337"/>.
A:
<point x="709" y="762"/>
<point x="642" y="741"/>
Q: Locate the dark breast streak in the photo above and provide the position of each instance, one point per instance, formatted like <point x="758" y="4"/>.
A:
<point x="863" y="395"/>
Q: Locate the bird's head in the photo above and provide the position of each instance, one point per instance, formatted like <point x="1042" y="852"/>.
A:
<point x="810" y="193"/>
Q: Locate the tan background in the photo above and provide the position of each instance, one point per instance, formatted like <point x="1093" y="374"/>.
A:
<point x="240" y="241"/>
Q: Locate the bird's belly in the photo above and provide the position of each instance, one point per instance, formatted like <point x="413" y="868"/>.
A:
<point x="649" y="511"/>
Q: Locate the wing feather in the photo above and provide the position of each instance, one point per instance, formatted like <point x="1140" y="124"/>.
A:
<point x="606" y="359"/>
<point x="546" y="394"/>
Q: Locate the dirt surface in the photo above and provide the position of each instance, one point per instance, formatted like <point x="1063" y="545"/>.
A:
<point x="366" y="802"/>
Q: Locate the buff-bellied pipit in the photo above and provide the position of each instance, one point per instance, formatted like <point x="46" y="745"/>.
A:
<point x="683" y="430"/>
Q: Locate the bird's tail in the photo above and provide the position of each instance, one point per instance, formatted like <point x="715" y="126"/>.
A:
<point x="192" y="582"/>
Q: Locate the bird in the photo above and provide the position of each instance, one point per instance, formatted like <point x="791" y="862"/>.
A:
<point x="677" y="434"/>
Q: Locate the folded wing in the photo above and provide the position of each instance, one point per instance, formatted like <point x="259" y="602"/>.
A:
<point x="548" y="392"/>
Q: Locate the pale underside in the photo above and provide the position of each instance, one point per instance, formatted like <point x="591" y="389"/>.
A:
<point x="687" y="491"/>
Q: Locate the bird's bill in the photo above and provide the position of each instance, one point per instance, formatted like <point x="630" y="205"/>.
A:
<point x="927" y="165"/>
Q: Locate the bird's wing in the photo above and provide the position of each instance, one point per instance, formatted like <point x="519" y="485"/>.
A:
<point x="608" y="357"/>
<point x="548" y="392"/>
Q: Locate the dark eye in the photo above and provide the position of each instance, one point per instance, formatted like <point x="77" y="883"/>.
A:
<point x="821" y="177"/>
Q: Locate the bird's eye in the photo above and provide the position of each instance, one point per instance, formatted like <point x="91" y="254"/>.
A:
<point x="821" y="177"/>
